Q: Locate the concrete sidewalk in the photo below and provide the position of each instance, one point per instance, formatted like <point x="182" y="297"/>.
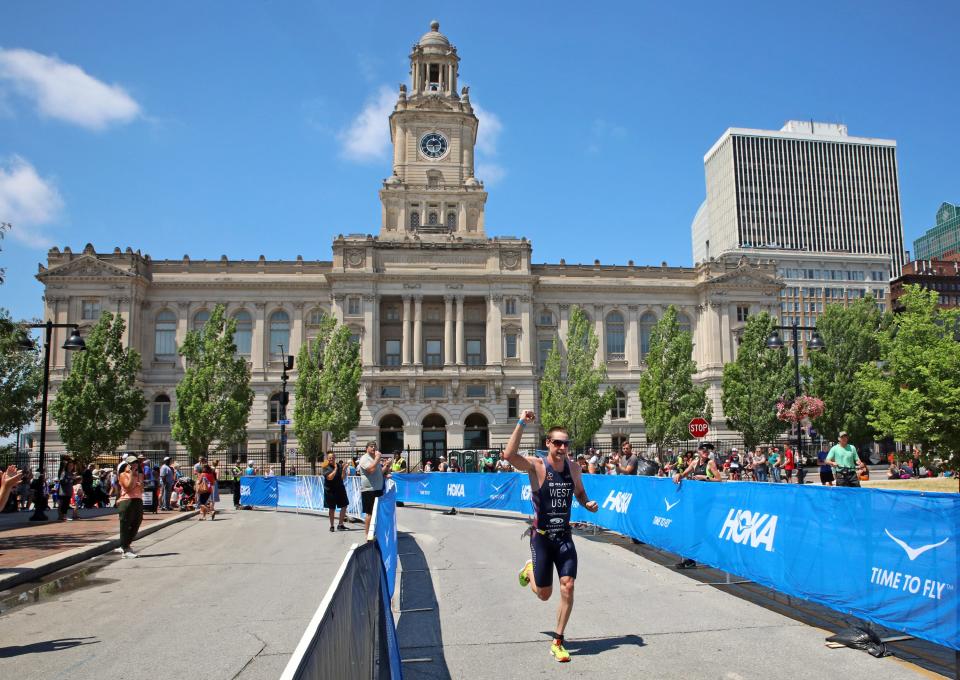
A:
<point x="30" y="550"/>
<point x="463" y="615"/>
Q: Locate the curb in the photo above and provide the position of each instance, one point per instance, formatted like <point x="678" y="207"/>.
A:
<point x="47" y="565"/>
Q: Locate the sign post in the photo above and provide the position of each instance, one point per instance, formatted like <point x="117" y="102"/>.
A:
<point x="698" y="428"/>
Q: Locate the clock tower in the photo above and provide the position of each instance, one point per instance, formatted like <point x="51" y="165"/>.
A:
<point x="432" y="191"/>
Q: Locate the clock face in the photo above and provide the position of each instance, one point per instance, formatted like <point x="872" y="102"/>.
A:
<point x="433" y="145"/>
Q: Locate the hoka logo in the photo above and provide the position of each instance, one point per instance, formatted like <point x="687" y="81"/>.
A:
<point x="456" y="490"/>
<point x="244" y="489"/>
<point x="525" y="493"/>
<point x="618" y="502"/>
<point x="743" y="526"/>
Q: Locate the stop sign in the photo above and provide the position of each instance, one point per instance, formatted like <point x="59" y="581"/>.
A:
<point x="698" y="428"/>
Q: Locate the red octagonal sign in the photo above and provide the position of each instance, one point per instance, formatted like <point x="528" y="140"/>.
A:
<point x="698" y="428"/>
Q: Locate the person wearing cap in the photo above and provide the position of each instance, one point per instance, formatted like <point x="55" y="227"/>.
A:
<point x="702" y="468"/>
<point x="130" y="474"/>
<point x="844" y="459"/>
<point x="735" y="464"/>
<point x="167" y="479"/>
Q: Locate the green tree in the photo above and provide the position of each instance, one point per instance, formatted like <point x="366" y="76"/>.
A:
<point x="21" y="377"/>
<point x="570" y="393"/>
<point x="668" y="397"/>
<point x="915" y="391"/>
<point x="99" y="403"/>
<point x="754" y="383"/>
<point x="851" y="338"/>
<point x="307" y="412"/>
<point x="214" y="395"/>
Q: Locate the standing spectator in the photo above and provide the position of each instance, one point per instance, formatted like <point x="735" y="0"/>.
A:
<point x="65" y="479"/>
<point x="198" y="466"/>
<point x="130" y="478"/>
<point x="249" y="471"/>
<point x="269" y="472"/>
<point x="789" y="464"/>
<point x="353" y="469"/>
<point x="454" y="466"/>
<point x="167" y="480"/>
<point x="843" y="456"/>
<point x="774" y="461"/>
<point x="236" y="472"/>
<point x="205" y="486"/>
<point x="593" y="462"/>
<point x="826" y="472"/>
<point x="86" y="483"/>
<point x="914" y="462"/>
<point x="115" y="487"/>
<point x="216" y="481"/>
<point x="490" y="461"/>
<point x="735" y="464"/>
<point x="23" y="490"/>
<point x="442" y="465"/>
<point x="627" y="465"/>
<point x="334" y="489"/>
<point x="503" y="465"/>
<point x="428" y="466"/>
<point x="760" y="468"/>
<point x="371" y="482"/>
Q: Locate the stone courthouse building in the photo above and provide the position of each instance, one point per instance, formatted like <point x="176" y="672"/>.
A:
<point x="454" y="322"/>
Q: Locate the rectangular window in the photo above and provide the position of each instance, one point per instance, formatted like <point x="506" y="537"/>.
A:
<point x="511" y="345"/>
<point x="474" y="352"/>
<point x="390" y="391"/>
<point x="355" y="338"/>
<point x="354" y="307"/>
<point x="476" y="390"/>
<point x="90" y="310"/>
<point x="544" y="345"/>
<point x="878" y="276"/>
<point x="434" y="354"/>
<point x="742" y="313"/>
<point x="433" y="391"/>
<point x="510" y="306"/>
<point x="391" y="353"/>
<point x="391" y="313"/>
<point x="161" y="413"/>
<point x="513" y="406"/>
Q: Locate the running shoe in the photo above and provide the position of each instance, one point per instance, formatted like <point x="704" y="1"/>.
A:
<point x="130" y="555"/>
<point x="525" y="575"/>
<point x="559" y="653"/>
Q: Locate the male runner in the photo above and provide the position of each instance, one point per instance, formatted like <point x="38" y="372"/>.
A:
<point x="554" y="480"/>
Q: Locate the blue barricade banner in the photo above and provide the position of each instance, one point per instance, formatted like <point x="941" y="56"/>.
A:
<point x="888" y="556"/>
<point x="386" y="532"/>
<point x="258" y="491"/>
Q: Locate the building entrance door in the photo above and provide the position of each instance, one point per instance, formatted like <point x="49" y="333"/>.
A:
<point x="433" y="437"/>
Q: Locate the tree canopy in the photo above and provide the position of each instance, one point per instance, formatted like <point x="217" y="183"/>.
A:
<point x="21" y="378"/>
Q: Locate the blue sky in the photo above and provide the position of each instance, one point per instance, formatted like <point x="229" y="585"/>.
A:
<point x="246" y="128"/>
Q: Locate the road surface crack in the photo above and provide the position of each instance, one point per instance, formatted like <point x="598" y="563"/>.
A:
<point x="263" y="646"/>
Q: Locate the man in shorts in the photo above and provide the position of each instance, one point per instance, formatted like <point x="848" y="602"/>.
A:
<point x="554" y="481"/>
<point x="334" y="489"/>
<point x="845" y="461"/>
<point x="371" y="482"/>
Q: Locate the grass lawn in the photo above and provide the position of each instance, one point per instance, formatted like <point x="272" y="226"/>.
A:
<point x="946" y="484"/>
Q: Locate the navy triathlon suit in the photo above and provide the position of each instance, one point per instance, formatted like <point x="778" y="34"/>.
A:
<point x="551" y="542"/>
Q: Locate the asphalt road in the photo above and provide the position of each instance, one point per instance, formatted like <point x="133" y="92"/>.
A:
<point x="631" y="618"/>
<point x="223" y="599"/>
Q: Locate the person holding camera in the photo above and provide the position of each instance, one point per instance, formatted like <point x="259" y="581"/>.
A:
<point x="334" y="489"/>
<point x="554" y="481"/>
<point x="371" y="482"/>
<point x="130" y="477"/>
<point x="844" y="459"/>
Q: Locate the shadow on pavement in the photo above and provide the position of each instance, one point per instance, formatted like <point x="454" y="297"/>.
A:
<point x="46" y="646"/>
<point x="418" y="629"/>
<point x="593" y="646"/>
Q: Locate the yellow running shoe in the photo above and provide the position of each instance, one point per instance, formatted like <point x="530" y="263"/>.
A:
<point x="559" y="653"/>
<point x="525" y="575"/>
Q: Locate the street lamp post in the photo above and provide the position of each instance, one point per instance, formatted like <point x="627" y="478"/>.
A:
<point x="284" y="399"/>
<point x="74" y="342"/>
<point x="815" y="344"/>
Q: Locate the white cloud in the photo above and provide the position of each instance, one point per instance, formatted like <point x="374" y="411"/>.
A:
<point x="490" y="173"/>
<point x="488" y="134"/>
<point x="27" y="201"/>
<point x="368" y="137"/>
<point x="602" y="133"/>
<point x="65" y="91"/>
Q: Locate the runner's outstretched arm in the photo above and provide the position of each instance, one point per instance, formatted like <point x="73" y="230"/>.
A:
<point x="510" y="453"/>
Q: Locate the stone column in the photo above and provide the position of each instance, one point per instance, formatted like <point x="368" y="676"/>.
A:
<point x="448" y="341"/>
<point x="461" y="341"/>
<point x="633" y="337"/>
<point x="562" y="327"/>
<point x="371" y="313"/>
<point x="257" y="342"/>
<point x="336" y="306"/>
<point x="495" y="331"/>
<point x="405" y="323"/>
<point x="526" y="339"/>
<point x="418" y="330"/>
<point x="600" y="328"/>
<point x="296" y="331"/>
<point x="726" y="337"/>
<point x="183" y="325"/>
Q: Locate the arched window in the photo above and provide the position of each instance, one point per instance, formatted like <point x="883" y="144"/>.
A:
<point x="276" y="407"/>
<point x="200" y="319"/>
<point x="616" y="341"/>
<point x="684" y="322"/>
<point x="165" y="335"/>
<point x="161" y="410"/>
<point x="414" y="219"/>
<point x="619" y="409"/>
<point x="476" y="432"/>
<point x="432" y="219"/>
<point x="434" y="421"/>
<point x="244" y="334"/>
<point x="391" y="433"/>
<point x="451" y="221"/>
<point x="279" y="334"/>
<point x="647" y="322"/>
